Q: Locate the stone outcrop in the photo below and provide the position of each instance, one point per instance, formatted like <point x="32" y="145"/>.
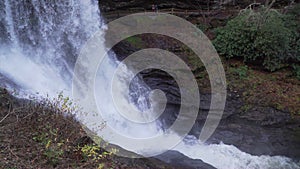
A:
<point x="112" y="5"/>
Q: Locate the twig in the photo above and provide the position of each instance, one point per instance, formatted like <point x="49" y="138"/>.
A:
<point x="269" y="5"/>
<point x="5" y="117"/>
<point x="12" y="152"/>
<point x="9" y="110"/>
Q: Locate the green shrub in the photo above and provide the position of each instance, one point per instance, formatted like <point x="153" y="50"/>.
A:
<point x="260" y="36"/>
<point x="292" y="22"/>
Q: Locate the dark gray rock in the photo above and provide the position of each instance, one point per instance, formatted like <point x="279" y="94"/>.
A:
<point x="178" y="159"/>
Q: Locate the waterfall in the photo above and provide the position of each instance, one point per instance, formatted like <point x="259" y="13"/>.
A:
<point x="40" y="41"/>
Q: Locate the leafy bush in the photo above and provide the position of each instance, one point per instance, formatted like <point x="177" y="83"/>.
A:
<point x="292" y="21"/>
<point x="260" y="36"/>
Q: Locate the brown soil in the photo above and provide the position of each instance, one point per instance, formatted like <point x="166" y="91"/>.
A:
<point x="41" y="135"/>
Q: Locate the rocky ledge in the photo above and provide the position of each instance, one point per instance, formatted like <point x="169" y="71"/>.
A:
<point x="258" y="130"/>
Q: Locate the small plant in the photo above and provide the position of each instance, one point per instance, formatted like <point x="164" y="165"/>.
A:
<point x="246" y="107"/>
<point x="94" y="151"/>
<point x="52" y="145"/>
<point x="65" y="104"/>
<point x="202" y="27"/>
<point x="241" y="71"/>
<point x="101" y="166"/>
<point x="135" y="41"/>
<point x="53" y="154"/>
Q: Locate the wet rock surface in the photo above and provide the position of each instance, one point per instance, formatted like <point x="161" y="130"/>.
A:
<point x="182" y="161"/>
<point x="258" y="130"/>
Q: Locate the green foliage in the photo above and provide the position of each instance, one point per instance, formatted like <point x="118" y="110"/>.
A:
<point x="258" y="36"/>
<point x="297" y="71"/>
<point x="202" y="27"/>
<point x="94" y="151"/>
<point x="241" y="71"/>
<point x="292" y="22"/>
<point x="135" y="41"/>
<point x="246" y="107"/>
<point x="52" y="145"/>
<point x="53" y="154"/>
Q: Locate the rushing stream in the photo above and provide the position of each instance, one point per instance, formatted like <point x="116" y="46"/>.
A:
<point x="40" y="41"/>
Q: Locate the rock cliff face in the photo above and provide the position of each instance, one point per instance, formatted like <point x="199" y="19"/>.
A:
<point x="111" y="5"/>
<point x="259" y="130"/>
<point x="210" y="13"/>
<point x="107" y="5"/>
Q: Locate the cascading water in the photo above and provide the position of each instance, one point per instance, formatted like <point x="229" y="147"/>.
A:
<point x="40" y="41"/>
